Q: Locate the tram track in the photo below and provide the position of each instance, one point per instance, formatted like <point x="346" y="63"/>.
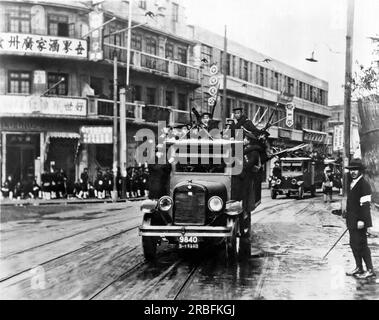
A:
<point x="72" y="252"/>
<point x="65" y="237"/>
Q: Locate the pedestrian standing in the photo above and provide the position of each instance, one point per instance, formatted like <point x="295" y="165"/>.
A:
<point x="11" y="185"/>
<point x="327" y="185"/>
<point x="358" y="219"/>
<point x="18" y="191"/>
<point x="46" y="185"/>
<point x="36" y="189"/>
<point x="5" y="190"/>
<point x="99" y="185"/>
<point x="84" y="184"/>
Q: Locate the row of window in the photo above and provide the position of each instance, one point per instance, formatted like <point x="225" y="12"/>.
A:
<point x="259" y="113"/>
<point x="21" y="82"/>
<point x="254" y="73"/>
<point x="151" y="97"/>
<point x="19" y="21"/>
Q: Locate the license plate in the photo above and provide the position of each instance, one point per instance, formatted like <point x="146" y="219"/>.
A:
<point x="188" y="242"/>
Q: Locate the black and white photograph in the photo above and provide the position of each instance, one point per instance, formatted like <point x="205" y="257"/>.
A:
<point x="206" y="152"/>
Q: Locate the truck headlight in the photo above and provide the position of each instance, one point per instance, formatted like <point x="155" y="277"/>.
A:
<point x="165" y="203"/>
<point x="215" y="204"/>
<point x="278" y="181"/>
<point x="293" y="181"/>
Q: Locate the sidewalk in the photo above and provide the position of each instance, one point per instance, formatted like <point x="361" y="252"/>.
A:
<point x="43" y="202"/>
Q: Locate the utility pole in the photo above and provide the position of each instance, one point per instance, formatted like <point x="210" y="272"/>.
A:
<point x="115" y="133"/>
<point x="125" y="97"/>
<point x="348" y="77"/>
<point x="224" y="109"/>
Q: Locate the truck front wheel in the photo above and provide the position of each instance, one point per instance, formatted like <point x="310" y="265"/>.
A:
<point x="149" y="245"/>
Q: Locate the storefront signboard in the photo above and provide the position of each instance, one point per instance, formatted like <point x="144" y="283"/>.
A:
<point x="14" y="104"/>
<point x="42" y="45"/>
<point x="96" y="134"/>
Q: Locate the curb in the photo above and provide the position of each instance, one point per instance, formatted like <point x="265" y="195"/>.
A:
<point x="64" y="202"/>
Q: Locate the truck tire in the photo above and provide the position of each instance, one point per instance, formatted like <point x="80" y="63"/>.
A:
<point x="273" y="194"/>
<point x="149" y="245"/>
<point x="313" y="191"/>
<point x="301" y="193"/>
<point x="232" y="243"/>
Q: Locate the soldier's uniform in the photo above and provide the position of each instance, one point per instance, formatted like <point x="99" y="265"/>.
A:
<point x="358" y="211"/>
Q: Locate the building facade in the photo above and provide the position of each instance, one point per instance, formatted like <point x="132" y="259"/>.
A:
<point x="261" y="86"/>
<point x="62" y="62"/>
<point x="57" y="81"/>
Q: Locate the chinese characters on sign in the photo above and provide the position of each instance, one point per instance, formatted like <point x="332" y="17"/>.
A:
<point x="314" y="136"/>
<point x="37" y="44"/>
<point x="96" y="135"/>
<point x="42" y="105"/>
<point x="96" y="19"/>
<point x="338" y="138"/>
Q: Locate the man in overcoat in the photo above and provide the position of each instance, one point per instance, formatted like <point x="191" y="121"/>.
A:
<point x="358" y="219"/>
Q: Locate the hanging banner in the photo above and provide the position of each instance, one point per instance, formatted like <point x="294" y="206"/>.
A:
<point x="338" y="138"/>
<point x="96" y="19"/>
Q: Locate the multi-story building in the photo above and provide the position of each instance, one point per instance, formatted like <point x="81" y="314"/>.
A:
<point x="57" y="80"/>
<point x="255" y="81"/>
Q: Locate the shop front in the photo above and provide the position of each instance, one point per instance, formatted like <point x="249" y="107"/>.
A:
<point x="31" y="146"/>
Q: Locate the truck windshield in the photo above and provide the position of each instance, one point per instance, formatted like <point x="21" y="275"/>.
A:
<point x="292" y="167"/>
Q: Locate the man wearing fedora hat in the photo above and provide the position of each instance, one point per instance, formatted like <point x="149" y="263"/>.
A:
<point x="358" y="219"/>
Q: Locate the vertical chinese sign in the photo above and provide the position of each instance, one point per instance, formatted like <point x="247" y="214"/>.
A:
<point x="96" y="20"/>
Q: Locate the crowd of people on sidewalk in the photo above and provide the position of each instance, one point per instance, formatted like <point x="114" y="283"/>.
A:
<point x="54" y="185"/>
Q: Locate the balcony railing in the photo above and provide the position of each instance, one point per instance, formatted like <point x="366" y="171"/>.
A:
<point x="154" y="63"/>
<point x="138" y="112"/>
<point x="153" y="113"/>
<point x="147" y="61"/>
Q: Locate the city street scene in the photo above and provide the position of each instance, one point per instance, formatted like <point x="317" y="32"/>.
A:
<point x="189" y="150"/>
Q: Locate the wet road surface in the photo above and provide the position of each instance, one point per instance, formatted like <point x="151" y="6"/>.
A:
<point x="94" y="252"/>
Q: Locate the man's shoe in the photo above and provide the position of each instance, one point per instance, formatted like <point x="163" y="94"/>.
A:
<point x="368" y="274"/>
<point x="356" y="271"/>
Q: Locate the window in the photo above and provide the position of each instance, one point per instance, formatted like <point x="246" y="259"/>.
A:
<point x="235" y="70"/>
<point x="136" y="42"/>
<point x="169" y="98"/>
<point x="59" y="26"/>
<point x="243" y="70"/>
<point x="182" y="54"/>
<point x="261" y="76"/>
<point x="19" y="82"/>
<point x="301" y="89"/>
<point x="169" y="48"/>
<point x="142" y="4"/>
<point x="151" y="46"/>
<point x="182" y="101"/>
<point x="62" y="88"/>
<point x="206" y="53"/>
<point x="310" y="123"/>
<point x="228" y="65"/>
<point x="175" y="12"/>
<point x="19" y="20"/>
<point x="136" y="93"/>
<point x="290" y="85"/>
<point x="276" y="81"/>
<point x="150" y="95"/>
